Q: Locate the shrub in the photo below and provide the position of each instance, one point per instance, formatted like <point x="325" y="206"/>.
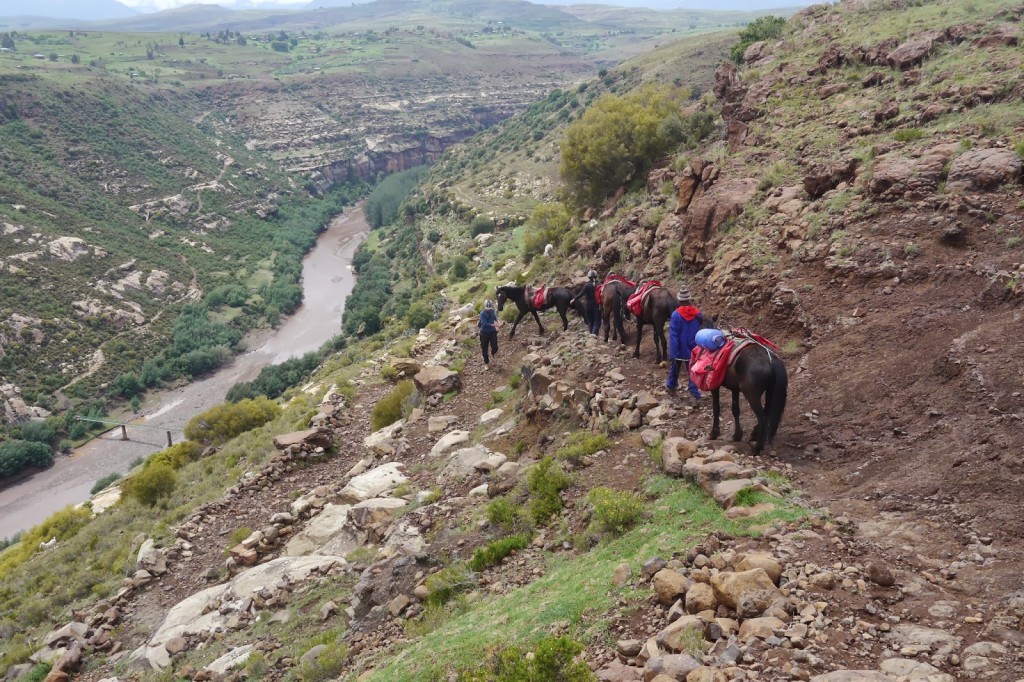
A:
<point x="448" y="582"/>
<point x="545" y="481"/>
<point x="17" y="455"/>
<point x="327" y="666"/>
<point x="419" y="315"/>
<point x="104" y="482"/>
<point x="545" y="226"/>
<point x="908" y="134"/>
<point x="481" y="225"/>
<point x="615" y="510"/>
<point x="150" y="484"/>
<point x="37" y="431"/>
<point x="389" y="409"/>
<point x="176" y="456"/>
<point x="224" y="422"/>
<point x="460" y="268"/>
<point x="498" y="550"/>
<point x="762" y="28"/>
<point x="616" y="140"/>
<point x="505" y="513"/>
<point x="38" y="672"/>
<point x="554" y="659"/>
<point x="581" y="444"/>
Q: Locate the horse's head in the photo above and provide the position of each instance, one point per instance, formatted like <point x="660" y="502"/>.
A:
<point x="577" y="302"/>
<point x="500" y="296"/>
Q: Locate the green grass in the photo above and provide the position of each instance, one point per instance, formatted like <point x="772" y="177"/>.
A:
<point x="582" y="444"/>
<point x="576" y="589"/>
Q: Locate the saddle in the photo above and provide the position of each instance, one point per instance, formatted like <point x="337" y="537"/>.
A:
<point x="635" y="304"/>
<point x="612" y="278"/>
<point x="539" y="297"/>
<point x="708" y="368"/>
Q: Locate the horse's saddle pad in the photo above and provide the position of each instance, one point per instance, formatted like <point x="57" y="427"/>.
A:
<point x="637" y="300"/>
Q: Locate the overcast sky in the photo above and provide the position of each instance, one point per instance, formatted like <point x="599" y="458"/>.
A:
<point x="147" y="5"/>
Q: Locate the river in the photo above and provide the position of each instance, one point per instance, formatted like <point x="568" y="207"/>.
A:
<point x="327" y="280"/>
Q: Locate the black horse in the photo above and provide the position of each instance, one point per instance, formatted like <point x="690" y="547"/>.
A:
<point x="658" y="308"/>
<point x="559" y="298"/>
<point x="757" y="371"/>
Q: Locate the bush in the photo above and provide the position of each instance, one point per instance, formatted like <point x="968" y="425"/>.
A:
<point x="762" y="28"/>
<point x="37" y="431"/>
<point x="448" y="582"/>
<point x="389" y="409"/>
<point x="545" y="481"/>
<point x="505" y="513"/>
<point x="224" y="422"/>
<point x="615" y="141"/>
<point x="581" y="444"/>
<point x="553" y="659"/>
<point x="38" y="672"/>
<point x="176" y="456"/>
<point x="481" y="225"/>
<point x="460" y="268"/>
<point x="546" y="225"/>
<point x="382" y="205"/>
<point x="104" y="482"/>
<point x="615" y="510"/>
<point x="276" y="379"/>
<point x="18" y="455"/>
<point x="327" y="666"/>
<point x="419" y="315"/>
<point x="498" y="550"/>
<point x="151" y="484"/>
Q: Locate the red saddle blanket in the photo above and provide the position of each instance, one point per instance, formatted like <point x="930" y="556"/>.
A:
<point x="708" y="368"/>
<point x="612" y="278"/>
<point x="540" y="297"/>
<point x="635" y="304"/>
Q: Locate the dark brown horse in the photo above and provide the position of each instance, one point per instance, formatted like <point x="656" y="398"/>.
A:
<point x="658" y="307"/>
<point x="558" y="298"/>
<point x="757" y="371"/>
<point x="613" y="308"/>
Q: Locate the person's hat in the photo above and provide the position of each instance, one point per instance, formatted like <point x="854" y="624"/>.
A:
<point x="684" y="295"/>
<point x="592" y="274"/>
<point x="488" y="303"/>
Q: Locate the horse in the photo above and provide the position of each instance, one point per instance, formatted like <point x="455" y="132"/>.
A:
<point x="658" y="308"/>
<point x="558" y="298"/>
<point x="613" y="308"/>
<point x="756" y="371"/>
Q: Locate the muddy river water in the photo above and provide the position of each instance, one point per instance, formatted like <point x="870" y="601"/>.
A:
<point x="327" y="280"/>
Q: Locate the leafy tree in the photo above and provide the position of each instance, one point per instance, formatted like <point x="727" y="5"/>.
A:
<point x="615" y="140"/>
<point x="75" y="59"/>
<point x="382" y="205"/>
<point x="37" y="431"/>
<point x="181" y="41"/>
<point x="128" y="385"/>
<point x="7" y="41"/>
<point x="481" y="225"/>
<point x="419" y="315"/>
<point x="762" y="28"/>
<point x="460" y="267"/>
<point x="17" y="455"/>
<point x="150" y="484"/>
<point x="280" y="46"/>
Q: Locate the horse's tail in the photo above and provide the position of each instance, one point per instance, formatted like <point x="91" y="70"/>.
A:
<point x="777" y="394"/>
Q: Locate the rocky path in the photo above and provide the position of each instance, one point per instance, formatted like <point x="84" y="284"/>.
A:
<point x="828" y="600"/>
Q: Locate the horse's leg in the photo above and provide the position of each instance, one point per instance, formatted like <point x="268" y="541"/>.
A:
<point x="661" y="352"/>
<point x="522" y="314"/>
<point x="565" y="320"/>
<point x="618" y="326"/>
<point x="715" y="410"/>
<point x="737" y="434"/>
<point x="537" y="317"/>
<point x="639" y="335"/>
<point x="606" y="318"/>
<point x="760" y="433"/>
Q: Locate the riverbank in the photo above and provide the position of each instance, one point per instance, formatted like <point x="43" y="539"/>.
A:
<point x="327" y="280"/>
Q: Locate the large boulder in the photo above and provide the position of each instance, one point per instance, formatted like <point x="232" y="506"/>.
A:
<point x="674" y="452"/>
<point x="212" y="608"/>
<point x="910" y="53"/>
<point x="732" y="588"/>
<point x="762" y="560"/>
<point x="669" y="585"/>
<point x="984" y="169"/>
<point x="449" y="441"/>
<point x="405" y="367"/>
<point x="151" y="559"/>
<point x="313" y="438"/>
<point x="898" y="177"/>
<point x="320" y="530"/>
<point x="374" y="482"/>
<point x="437" y="380"/>
<point x="385" y="442"/>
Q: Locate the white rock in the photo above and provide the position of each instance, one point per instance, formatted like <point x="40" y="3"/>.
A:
<point x="448" y="441"/>
<point x="321" y="529"/>
<point x="374" y="482"/>
<point x="491" y="416"/>
<point x="231" y="660"/>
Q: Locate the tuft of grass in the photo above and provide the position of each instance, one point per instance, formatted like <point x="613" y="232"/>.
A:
<point x="448" y="582"/>
<point x="908" y="134"/>
<point x="239" y="534"/>
<point x="104" y="482"/>
<point x="506" y="514"/>
<point x="327" y="666"/>
<point x="582" y="444"/>
<point x="494" y="552"/>
<point x="389" y="409"/>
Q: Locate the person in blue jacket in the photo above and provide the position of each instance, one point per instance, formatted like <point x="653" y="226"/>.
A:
<point x="686" y="321"/>
<point x="488" y="332"/>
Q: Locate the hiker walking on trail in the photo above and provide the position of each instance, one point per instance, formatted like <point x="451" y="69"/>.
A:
<point x="488" y="332"/>
<point x="590" y="305"/>
<point x="683" y="326"/>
